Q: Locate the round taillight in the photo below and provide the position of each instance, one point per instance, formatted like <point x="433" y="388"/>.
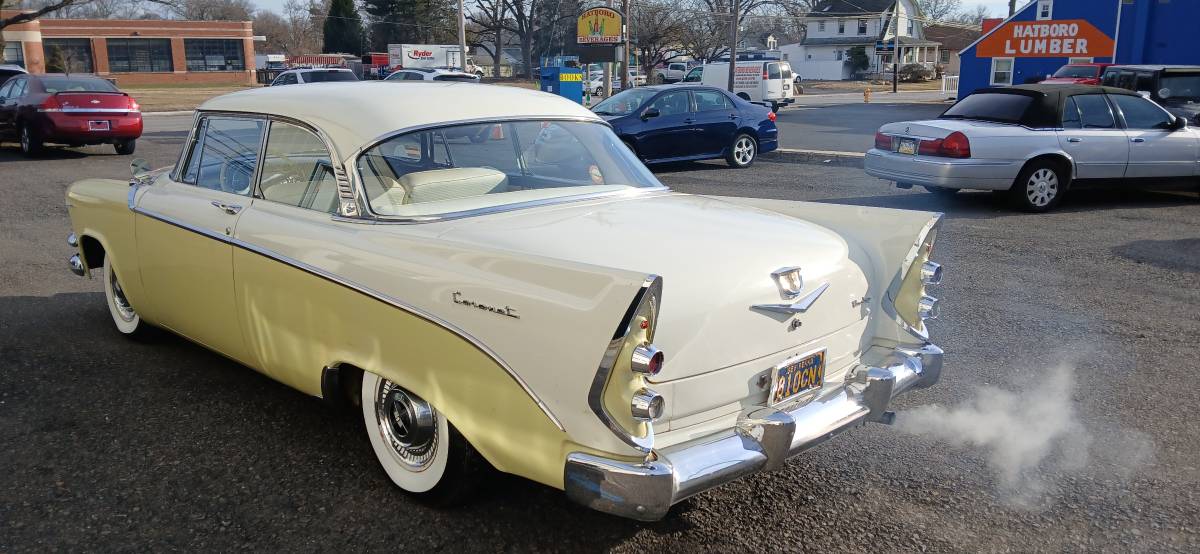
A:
<point x="771" y="116"/>
<point x="647" y="359"/>
<point x="647" y="405"/>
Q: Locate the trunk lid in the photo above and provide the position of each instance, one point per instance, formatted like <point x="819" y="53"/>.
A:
<point x="92" y="102"/>
<point x="716" y="261"/>
<point x="936" y="128"/>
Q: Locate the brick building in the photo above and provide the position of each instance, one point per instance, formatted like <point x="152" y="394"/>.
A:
<point x="135" y="52"/>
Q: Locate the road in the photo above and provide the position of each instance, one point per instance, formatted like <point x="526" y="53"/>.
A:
<point x="108" y="444"/>
<point x="845" y="125"/>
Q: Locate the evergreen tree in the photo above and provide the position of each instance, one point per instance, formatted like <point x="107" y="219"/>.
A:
<point x="343" y="29"/>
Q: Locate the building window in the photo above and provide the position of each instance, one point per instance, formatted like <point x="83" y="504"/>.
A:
<point x="911" y="28"/>
<point x="837" y="55"/>
<point x="862" y="26"/>
<point x="1045" y="9"/>
<point x="13" y="54"/>
<point x="945" y="56"/>
<point x="214" y="54"/>
<point x="139" y="55"/>
<point x="1002" y="71"/>
<point x="841" y="27"/>
<point x="821" y="26"/>
<point x="68" y="55"/>
<point x="1079" y="60"/>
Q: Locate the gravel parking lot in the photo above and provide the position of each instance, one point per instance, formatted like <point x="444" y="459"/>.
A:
<point x="108" y="444"/>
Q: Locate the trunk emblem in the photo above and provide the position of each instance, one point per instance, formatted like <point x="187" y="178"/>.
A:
<point x="800" y="306"/>
<point x="789" y="281"/>
<point x="95" y="101"/>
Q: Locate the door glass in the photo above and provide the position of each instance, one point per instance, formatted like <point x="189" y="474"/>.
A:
<point x="773" y="71"/>
<point x="694" y="75"/>
<point x="710" y="100"/>
<point x="228" y="154"/>
<point x="1141" y="113"/>
<point x="1070" y="118"/>
<point x="1094" y="112"/>
<point x="671" y="103"/>
<point x="4" y="90"/>
<point x="297" y="169"/>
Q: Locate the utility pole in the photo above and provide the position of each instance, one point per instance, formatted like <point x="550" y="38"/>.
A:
<point x="896" y="49"/>
<point x="733" y="39"/>
<point x="606" y="84"/>
<point x="462" y="36"/>
<point x="625" y="9"/>
<point x="1012" y="7"/>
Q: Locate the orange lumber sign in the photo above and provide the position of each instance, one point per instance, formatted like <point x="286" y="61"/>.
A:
<point x="1046" y="39"/>
<point x="599" y="26"/>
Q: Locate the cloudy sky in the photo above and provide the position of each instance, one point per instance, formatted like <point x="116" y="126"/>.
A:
<point x="996" y="7"/>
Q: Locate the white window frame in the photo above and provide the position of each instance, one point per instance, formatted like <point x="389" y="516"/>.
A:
<point x="1045" y="10"/>
<point x="1012" y="66"/>
<point x="821" y="26"/>
<point x="1080" y="60"/>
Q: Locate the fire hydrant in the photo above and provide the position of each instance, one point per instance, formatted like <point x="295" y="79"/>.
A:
<point x="867" y="95"/>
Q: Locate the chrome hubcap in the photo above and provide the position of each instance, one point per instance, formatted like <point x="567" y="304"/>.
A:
<point x="124" y="310"/>
<point x="408" y="423"/>
<point x="25" y="139"/>
<point x="743" y="151"/>
<point x="1042" y="187"/>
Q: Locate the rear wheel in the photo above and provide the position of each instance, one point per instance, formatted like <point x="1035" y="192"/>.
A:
<point x="1039" y="187"/>
<point x="125" y="147"/>
<point x="420" y="451"/>
<point x="31" y="143"/>
<point x="743" y="151"/>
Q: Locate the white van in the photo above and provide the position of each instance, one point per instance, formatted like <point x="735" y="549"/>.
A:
<point x="767" y="82"/>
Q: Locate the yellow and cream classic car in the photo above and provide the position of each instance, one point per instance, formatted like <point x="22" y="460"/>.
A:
<point x="504" y="281"/>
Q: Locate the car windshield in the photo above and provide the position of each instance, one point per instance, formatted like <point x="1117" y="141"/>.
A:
<point x="1176" y="87"/>
<point x="1001" y="107"/>
<point x="463" y="168"/>
<point x="624" y="102"/>
<point x="76" y="84"/>
<point x="325" y="76"/>
<point x="1077" y="71"/>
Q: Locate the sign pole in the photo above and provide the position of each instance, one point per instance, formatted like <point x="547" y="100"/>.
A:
<point x="462" y="37"/>
<point x="627" y="24"/>
<point x="896" y="51"/>
<point x="733" y="38"/>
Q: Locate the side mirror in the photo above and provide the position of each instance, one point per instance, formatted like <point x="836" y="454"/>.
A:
<point x="1179" y="124"/>
<point x="649" y="113"/>
<point x="140" y="169"/>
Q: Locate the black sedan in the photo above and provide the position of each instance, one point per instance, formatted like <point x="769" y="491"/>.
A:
<point x="670" y="123"/>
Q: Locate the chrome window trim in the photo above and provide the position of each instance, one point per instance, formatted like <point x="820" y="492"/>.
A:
<point x="365" y="291"/>
<point x="652" y="286"/>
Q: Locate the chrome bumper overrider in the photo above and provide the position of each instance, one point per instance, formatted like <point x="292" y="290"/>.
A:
<point x="762" y="440"/>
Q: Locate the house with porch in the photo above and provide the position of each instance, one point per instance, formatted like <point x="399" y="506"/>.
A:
<point x="834" y="27"/>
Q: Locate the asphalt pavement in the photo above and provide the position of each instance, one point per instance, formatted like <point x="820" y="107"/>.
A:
<point x="108" y="444"/>
<point x="847" y="125"/>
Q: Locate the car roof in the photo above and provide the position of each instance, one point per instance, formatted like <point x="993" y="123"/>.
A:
<point x="1088" y="64"/>
<point x="1148" y="67"/>
<point x="1065" y="90"/>
<point x="356" y="114"/>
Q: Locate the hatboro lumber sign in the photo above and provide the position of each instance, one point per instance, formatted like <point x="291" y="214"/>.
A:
<point x="1046" y="39"/>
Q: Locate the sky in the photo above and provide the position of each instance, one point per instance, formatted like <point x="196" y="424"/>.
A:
<point x="998" y="8"/>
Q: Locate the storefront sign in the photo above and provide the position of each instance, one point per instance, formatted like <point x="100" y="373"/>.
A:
<point x="599" y="26"/>
<point x="1068" y="38"/>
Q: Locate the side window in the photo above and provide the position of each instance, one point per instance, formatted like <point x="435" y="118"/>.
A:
<point x="1070" y="118"/>
<point x="710" y="100"/>
<point x="1126" y="80"/>
<point x="1145" y="82"/>
<point x="1109" y="79"/>
<point x="694" y="75"/>
<point x="19" y="88"/>
<point x="672" y="103"/>
<point x="678" y="67"/>
<point x="228" y="153"/>
<point x="1140" y="113"/>
<point x="297" y="169"/>
<point x="6" y="89"/>
<point x="414" y="76"/>
<point x="1095" y="112"/>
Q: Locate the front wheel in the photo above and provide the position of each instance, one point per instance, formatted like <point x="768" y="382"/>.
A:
<point x="1039" y="187"/>
<point x="743" y="151"/>
<point x="420" y="451"/>
<point x="124" y="317"/>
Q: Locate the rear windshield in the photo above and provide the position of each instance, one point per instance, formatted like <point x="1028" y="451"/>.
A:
<point x="1077" y="71"/>
<point x="323" y="76"/>
<point x="1005" y="108"/>
<point x="1180" y="85"/>
<point x="76" y="84"/>
<point x="787" y="71"/>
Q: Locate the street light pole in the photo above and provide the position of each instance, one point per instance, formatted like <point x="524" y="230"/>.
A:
<point x="733" y="38"/>
<point x="462" y="36"/>
<point x="625" y="7"/>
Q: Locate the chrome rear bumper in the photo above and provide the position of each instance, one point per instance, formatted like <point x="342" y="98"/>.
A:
<point x="762" y="440"/>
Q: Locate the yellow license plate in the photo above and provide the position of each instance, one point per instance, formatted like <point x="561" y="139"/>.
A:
<point x="797" y="376"/>
<point x="907" y="147"/>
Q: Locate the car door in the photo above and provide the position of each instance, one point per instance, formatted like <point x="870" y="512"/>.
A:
<point x="185" y="226"/>
<point x="1155" y="149"/>
<point x="773" y="85"/>
<point x="717" y="120"/>
<point x="8" y="109"/>
<point x="1093" y="138"/>
<point x="671" y="133"/>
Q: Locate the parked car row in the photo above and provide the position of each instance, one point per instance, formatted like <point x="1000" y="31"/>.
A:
<point x="74" y="110"/>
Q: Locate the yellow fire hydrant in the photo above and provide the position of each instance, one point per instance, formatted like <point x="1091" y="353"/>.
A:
<point x="867" y="95"/>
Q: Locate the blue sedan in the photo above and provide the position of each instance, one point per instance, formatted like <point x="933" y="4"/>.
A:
<point x="670" y="123"/>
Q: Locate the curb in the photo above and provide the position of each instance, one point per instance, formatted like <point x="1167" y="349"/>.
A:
<point x="177" y="112"/>
<point x="827" y="157"/>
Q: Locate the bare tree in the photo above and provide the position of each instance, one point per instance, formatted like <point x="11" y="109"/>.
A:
<point x="972" y="17"/>
<point x="657" y="30"/>
<point x="489" y="18"/>
<point x="939" y="10"/>
<point x="214" y="10"/>
<point x="524" y="25"/>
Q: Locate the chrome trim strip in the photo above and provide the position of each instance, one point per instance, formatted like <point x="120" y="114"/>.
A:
<point x="366" y="291"/>
<point x="652" y="286"/>
<point x="470" y="121"/>
<point x="450" y="216"/>
<point x="798" y="307"/>
<point x="89" y="110"/>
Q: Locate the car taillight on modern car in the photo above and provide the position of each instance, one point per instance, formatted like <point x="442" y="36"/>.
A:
<point x="955" y="145"/>
<point x="51" y="104"/>
<point x="132" y="104"/>
<point x="882" y="141"/>
<point x="771" y="116"/>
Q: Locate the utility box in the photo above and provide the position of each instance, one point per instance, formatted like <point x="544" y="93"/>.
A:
<point x="566" y="82"/>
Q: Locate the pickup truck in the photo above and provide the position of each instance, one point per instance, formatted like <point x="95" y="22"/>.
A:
<point x="672" y="73"/>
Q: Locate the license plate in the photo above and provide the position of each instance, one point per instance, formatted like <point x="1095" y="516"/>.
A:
<point x="797" y="376"/>
<point x="908" y="146"/>
<point x="98" y="125"/>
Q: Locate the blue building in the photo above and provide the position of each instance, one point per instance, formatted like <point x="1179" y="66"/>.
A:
<point x="1044" y="35"/>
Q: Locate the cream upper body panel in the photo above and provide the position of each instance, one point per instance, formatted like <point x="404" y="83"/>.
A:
<point x="354" y="115"/>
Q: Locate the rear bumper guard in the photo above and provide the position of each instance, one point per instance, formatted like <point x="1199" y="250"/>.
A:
<point x="762" y="440"/>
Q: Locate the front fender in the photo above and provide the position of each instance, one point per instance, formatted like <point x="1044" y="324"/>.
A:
<point x="99" y="211"/>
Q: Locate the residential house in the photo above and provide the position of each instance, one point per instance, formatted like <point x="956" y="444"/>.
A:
<point x="833" y="27"/>
<point x="954" y="37"/>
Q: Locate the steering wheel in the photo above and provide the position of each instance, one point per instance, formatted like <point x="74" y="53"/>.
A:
<point x="235" y="176"/>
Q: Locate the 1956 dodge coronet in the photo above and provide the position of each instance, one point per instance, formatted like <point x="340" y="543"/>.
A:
<point x="505" y="281"/>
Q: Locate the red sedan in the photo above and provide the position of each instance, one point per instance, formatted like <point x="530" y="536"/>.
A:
<point x="67" y="109"/>
<point x="1077" y="74"/>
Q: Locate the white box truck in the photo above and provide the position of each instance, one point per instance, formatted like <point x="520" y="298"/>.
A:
<point x="410" y="56"/>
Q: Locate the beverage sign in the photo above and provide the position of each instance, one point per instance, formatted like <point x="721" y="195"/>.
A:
<point x="599" y="26"/>
<point x="1067" y="38"/>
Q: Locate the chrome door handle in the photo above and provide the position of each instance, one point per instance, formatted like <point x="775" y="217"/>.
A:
<point x="1074" y="139"/>
<point x="230" y="209"/>
<point x="1137" y="140"/>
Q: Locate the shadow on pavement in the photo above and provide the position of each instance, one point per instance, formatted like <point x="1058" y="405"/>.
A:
<point x="984" y="204"/>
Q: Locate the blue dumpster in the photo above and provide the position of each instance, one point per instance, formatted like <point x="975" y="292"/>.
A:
<point x="566" y="82"/>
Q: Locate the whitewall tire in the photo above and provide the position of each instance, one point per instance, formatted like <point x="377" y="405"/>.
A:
<point x="418" y="448"/>
<point x="124" y="316"/>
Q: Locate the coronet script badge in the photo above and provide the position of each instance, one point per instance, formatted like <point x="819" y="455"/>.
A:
<point x="508" y="311"/>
